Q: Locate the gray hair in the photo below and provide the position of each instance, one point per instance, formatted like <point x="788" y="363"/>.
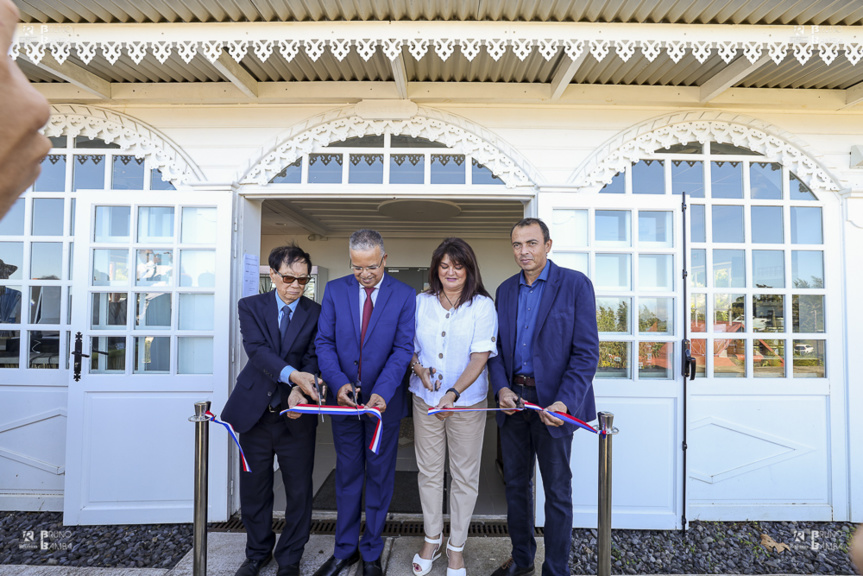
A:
<point x="366" y="239"/>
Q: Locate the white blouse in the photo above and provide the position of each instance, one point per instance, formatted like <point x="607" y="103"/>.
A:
<point x="445" y="340"/>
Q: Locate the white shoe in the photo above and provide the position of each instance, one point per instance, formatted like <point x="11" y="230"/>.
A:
<point x="454" y="571"/>
<point x="421" y="566"/>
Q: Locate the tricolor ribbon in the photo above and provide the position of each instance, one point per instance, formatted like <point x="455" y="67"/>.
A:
<point x="233" y="435"/>
<point x="374" y="445"/>
<point x="527" y="406"/>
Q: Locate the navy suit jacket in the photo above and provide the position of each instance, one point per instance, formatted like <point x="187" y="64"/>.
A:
<point x="257" y="382"/>
<point x="388" y="346"/>
<point x="565" y="345"/>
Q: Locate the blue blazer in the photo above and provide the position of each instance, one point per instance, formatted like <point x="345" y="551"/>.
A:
<point x="565" y="345"/>
<point x="388" y="346"/>
<point x="256" y="383"/>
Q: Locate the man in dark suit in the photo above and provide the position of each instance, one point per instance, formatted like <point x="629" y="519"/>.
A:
<point x="548" y="350"/>
<point x="278" y="330"/>
<point x="365" y="340"/>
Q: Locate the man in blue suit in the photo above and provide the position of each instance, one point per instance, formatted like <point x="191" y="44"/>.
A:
<point x="365" y="342"/>
<point x="548" y="350"/>
<point x="278" y="330"/>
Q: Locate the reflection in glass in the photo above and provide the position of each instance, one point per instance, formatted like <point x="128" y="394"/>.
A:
<point x="807" y="313"/>
<point x="807" y="269"/>
<point x="682" y="148"/>
<point x="47" y="217"/>
<point x="198" y="225"/>
<point x="655" y="315"/>
<point x="806" y="225"/>
<point x="726" y="179"/>
<point x="727" y="223"/>
<point x="109" y="311"/>
<point x="612" y="315"/>
<point x="405" y="141"/>
<point x="366" y="169"/>
<point x="482" y="175"/>
<point x="195" y="355"/>
<point x="810" y="359"/>
<point x="569" y="228"/>
<point x="88" y="172"/>
<point x="655" y="360"/>
<point x="290" y="174"/>
<point x="407" y="168"/>
<point x="655" y="228"/>
<point x="698" y="350"/>
<point x="152" y="355"/>
<point x="198" y="268"/>
<point x="698" y="313"/>
<point x="768" y="358"/>
<point x="153" y="310"/>
<point x="573" y="261"/>
<point x="768" y="268"/>
<point x="196" y="312"/>
<point x="765" y="180"/>
<point x="768" y="313"/>
<point x="10" y="348"/>
<point x="52" y="178"/>
<point x="325" y="168"/>
<point x="726" y="148"/>
<point x="616" y="186"/>
<point x="655" y="272"/>
<point x="154" y="268"/>
<point x="127" y="173"/>
<point x="12" y="224"/>
<point x="728" y="313"/>
<point x="369" y="141"/>
<point x="648" y="177"/>
<point x="698" y="265"/>
<point x="157" y="182"/>
<point x="155" y="223"/>
<point x="613" y="226"/>
<point x="87" y="142"/>
<point x="797" y="190"/>
<point x="613" y="271"/>
<point x="72" y="217"/>
<point x="687" y="176"/>
<point x="46" y="260"/>
<point x="45" y="304"/>
<point x="44" y="348"/>
<point x="108" y="355"/>
<point x="10" y="304"/>
<point x="110" y="267"/>
<point x="11" y="260"/>
<point x="447" y="169"/>
<point x="613" y="360"/>
<point x="697" y="224"/>
<point x="729" y="358"/>
<point x="112" y="224"/>
<point x="766" y="223"/>
<point x="729" y="269"/>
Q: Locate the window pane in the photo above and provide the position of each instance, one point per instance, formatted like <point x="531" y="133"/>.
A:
<point x="154" y="268"/>
<point x="112" y="224"/>
<point x="109" y="311"/>
<point x="613" y="227"/>
<point x="765" y="181"/>
<point x="698" y="230"/>
<point x="768" y="358"/>
<point x="108" y="355"/>
<point x="46" y="260"/>
<point x="806" y="225"/>
<point x="153" y="310"/>
<point x="366" y="169"/>
<point x="727" y="223"/>
<point x="726" y="179"/>
<point x="407" y="169"/>
<point x="698" y="313"/>
<point x="687" y="176"/>
<point x="569" y="228"/>
<point x="768" y="268"/>
<point x="572" y="260"/>
<point x="729" y="358"/>
<point x="47" y="217"/>
<point x="616" y="186"/>
<point x="370" y="141"/>
<point x="325" y="168"/>
<point x="128" y="173"/>
<point x="613" y="272"/>
<point x="110" y="267"/>
<point x="698" y="350"/>
<point x="10" y="347"/>
<point x="198" y="268"/>
<point x="809" y="359"/>
<point x="45" y="304"/>
<point x="728" y="313"/>
<point x="613" y="360"/>
<point x="766" y="224"/>
<point x="655" y="315"/>
<point x="195" y="355"/>
<point x="52" y="178"/>
<point x="447" y="169"/>
<point x="612" y="315"/>
<point x="404" y="141"/>
<point x="807" y="269"/>
<point x="655" y="272"/>
<point x="87" y="142"/>
<point x="807" y="313"/>
<point x="44" y="349"/>
<point x="768" y="313"/>
<point x="655" y="360"/>
<point x="797" y="190"/>
<point x="648" y="177"/>
<point x="88" y="171"/>
<point x="655" y="228"/>
<point x="482" y="175"/>
<point x="152" y="355"/>
<point x="199" y="226"/>
<point x="196" y="311"/>
<point x="155" y="224"/>
<point x="10" y="305"/>
<point x="11" y="260"/>
<point x="698" y="265"/>
<point x="12" y="224"/>
<point x="729" y="270"/>
<point x="688" y="148"/>
<point x="157" y="182"/>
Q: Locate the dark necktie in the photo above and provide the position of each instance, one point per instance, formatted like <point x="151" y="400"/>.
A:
<point x="283" y="328"/>
<point x="367" y="315"/>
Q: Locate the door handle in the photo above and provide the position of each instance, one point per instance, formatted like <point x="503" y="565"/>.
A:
<point x="78" y="354"/>
<point x="689" y="363"/>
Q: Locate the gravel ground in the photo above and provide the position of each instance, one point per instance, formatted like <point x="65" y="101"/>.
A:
<point x="705" y="548"/>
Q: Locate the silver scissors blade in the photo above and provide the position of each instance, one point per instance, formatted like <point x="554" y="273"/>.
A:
<point x="356" y="398"/>
<point x="319" y="390"/>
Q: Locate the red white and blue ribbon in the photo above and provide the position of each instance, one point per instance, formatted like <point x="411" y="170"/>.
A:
<point x="527" y="406"/>
<point x="233" y="435"/>
<point x="374" y="445"/>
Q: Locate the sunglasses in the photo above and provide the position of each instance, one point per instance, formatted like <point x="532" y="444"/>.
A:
<point x="288" y="279"/>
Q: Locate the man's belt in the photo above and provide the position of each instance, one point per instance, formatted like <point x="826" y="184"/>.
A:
<point x="523" y="380"/>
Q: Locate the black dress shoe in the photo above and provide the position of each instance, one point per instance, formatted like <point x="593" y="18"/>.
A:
<point x="289" y="570"/>
<point x="335" y="565"/>
<point x="252" y="567"/>
<point x="510" y="568"/>
<point x="373" y="568"/>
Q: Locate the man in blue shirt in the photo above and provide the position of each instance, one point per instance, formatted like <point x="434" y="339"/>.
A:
<point x="548" y="350"/>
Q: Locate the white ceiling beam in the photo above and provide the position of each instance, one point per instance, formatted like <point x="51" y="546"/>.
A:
<point x="310" y="223"/>
<point x="729" y="76"/>
<point x="400" y="75"/>
<point x="564" y="74"/>
<point x="75" y="75"/>
<point x="854" y="95"/>
<point x="236" y="74"/>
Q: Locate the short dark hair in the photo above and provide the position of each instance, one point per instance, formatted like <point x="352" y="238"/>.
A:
<point x="460" y="253"/>
<point x="529" y="222"/>
<point x="288" y="255"/>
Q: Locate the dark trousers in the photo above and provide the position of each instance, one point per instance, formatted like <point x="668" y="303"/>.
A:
<point x="356" y="464"/>
<point x="272" y="436"/>
<point x="524" y="441"/>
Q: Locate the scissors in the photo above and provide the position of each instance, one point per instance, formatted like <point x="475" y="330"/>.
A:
<point x="355" y="394"/>
<point x="320" y="390"/>
<point x="519" y="402"/>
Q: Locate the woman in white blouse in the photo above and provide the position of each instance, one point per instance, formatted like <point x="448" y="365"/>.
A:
<point x="456" y="329"/>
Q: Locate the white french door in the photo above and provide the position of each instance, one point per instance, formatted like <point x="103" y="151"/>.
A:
<point x="151" y="298"/>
